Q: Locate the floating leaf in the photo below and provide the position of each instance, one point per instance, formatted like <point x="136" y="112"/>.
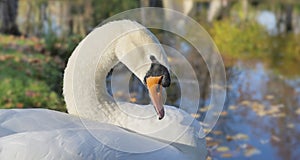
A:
<point x="222" y="149"/>
<point x="204" y="109"/>
<point x="269" y="97"/>
<point x="246" y="103"/>
<point x="241" y="136"/>
<point x="223" y="113"/>
<point x="232" y="107"/>
<point x="208" y="158"/>
<point x="250" y="151"/>
<point x="206" y="130"/>
<point x="229" y="138"/>
<point x="275" y="138"/>
<point x="226" y="155"/>
<point x="217" y="132"/>
<point x="212" y="143"/>
<point x="207" y="138"/>
<point x="298" y="111"/>
<point x="195" y="115"/>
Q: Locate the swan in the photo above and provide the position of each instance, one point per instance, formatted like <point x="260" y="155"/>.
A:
<point x="97" y="127"/>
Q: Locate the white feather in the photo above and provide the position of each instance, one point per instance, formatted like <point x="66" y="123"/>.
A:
<point x="99" y="128"/>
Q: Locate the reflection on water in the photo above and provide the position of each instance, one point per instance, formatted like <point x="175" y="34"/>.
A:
<point x="261" y="116"/>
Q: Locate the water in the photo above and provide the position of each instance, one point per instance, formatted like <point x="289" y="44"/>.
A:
<point x="264" y="108"/>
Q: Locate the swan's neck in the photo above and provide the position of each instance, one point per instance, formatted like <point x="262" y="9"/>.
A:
<point x="85" y="75"/>
<point x="107" y="107"/>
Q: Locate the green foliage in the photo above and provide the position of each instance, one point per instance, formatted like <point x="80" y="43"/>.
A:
<point x="61" y="46"/>
<point x="28" y="79"/>
<point x="106" y="8"/>
<point x="240" y="40"/>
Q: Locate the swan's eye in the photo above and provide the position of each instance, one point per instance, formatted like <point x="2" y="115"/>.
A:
<point x="158" y="70"/>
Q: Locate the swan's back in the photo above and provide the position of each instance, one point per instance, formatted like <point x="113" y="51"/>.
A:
<point x="35" y="134"/>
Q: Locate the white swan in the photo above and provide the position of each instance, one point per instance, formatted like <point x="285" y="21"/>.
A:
<point x="106" y="130"/>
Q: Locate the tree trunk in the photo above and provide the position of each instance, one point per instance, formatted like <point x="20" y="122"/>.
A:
<point x="8" y="12"/>
<point x="289" y="18"/>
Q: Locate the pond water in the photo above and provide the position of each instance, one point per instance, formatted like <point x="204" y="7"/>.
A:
<point x="261" y="118"/>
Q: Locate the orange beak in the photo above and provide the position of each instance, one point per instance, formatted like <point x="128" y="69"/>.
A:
<point x="155" y="91"/>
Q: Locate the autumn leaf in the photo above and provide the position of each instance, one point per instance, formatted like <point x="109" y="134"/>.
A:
<point x="204" y="109"/>
<point x="245" y="103"/>
<point x="212" y="143"/>
<point x="222" y="149"/>
<point x="250" y="151"/>
<point x="195" y="115"/>
<point x="232" y="107"/>
<point x="223" y="113"/>
<point x="269" y="97"/>
<point x="226" y="155"/>
<point x="275" y="138"/>
<point x="217" y="132"/>
<point x="298" y="111"/>
<point x="241" y="136"/>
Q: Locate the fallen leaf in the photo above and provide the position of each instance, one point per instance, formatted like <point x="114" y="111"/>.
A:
<point x="245" y="103"/>
<point x="298" y="111"/>
<point x="226" y="155"/>
<point x="195" y="115"/>
<point x="275" y="138"/>
<point x="229" y="138"/>
<point x="241" y="136"/>
<point x="232" y="107"/>
<point x="208" y="138"/>
<point x="269" y="97"/>
<point x="222" y="149"/>
<point x="206" y="130"/>
<point x="204" y="109"/>
<point x="279" y="115"/>
<point x="212" y="143"/>
<point x="217" y="132"/>
<point x="250" y="151"/>
<point x="223" y="113"/>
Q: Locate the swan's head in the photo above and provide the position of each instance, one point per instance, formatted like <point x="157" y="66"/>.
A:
<point x="157" y="77"/>
<point x="142" y="53"/>
<point x="154" y="76"/>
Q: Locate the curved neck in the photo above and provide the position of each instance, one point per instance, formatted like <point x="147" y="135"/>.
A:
<point x="85" y="75"/>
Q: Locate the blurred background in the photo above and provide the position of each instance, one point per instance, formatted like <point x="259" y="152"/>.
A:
<point x="259" y="41"/>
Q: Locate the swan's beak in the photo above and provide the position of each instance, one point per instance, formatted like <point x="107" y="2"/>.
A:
<point x="155" y="91"/>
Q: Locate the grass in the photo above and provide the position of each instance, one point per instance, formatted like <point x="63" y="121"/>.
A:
<point x="29" y="79"/>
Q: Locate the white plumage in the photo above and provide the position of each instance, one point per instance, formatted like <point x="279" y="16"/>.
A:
<point x="98" y="127"/>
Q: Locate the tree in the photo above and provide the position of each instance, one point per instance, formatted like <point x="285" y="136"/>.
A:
<point x="8" y="15"/>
